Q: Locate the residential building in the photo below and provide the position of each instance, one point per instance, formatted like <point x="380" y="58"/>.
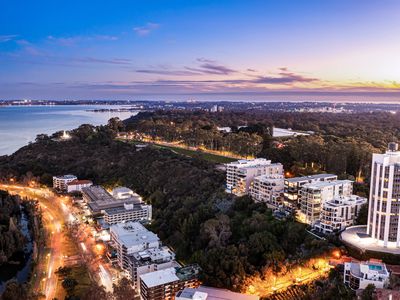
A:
<point x="209" y="293"/>
<point x="292" y="186"/>
<point x="267" y="189"/>
<point x="60" y="183"/>
<point x="98" y="199"/>
<point x="314" y="195"/>
<point x="128" y="212"/>
<point x="78" y="185"/>
<point x="240" y="174"/>
<point x="139" y="251"/>
<point x="339" y="213"/>
<point x="164" y="284"/>
<point x="384" y="205"/>
<point x="357" y="275"/>
<point x="123" y="193"/>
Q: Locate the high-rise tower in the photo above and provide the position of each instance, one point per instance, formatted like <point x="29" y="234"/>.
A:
<point x="384" y="200"/>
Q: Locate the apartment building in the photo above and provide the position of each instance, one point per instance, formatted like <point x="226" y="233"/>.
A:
<point x="60" y="183"/>
<point x="267" y="189"/>
<point x="98" y="199"/>
<point x="78" y="185"/>
<point x="292" y="186"/>
<point x="384" y="206"/>
<point x="358" y="275"/>
<point x="240" y="174"/>
<point x="164" y="284"/>
<point x="128" y="212"/>
<point x="339" y="213"/>
<point x="314" y="195"/>
<point x="139" y="251"/>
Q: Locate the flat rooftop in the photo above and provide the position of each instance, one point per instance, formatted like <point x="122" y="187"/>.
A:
<point x="320" y="184"/>
<point x="160" y="277"/>
<point x="100" y="199"/>
<point x="310" y="177"/>
<point x="210" y="293"/>
<point x="133" y="233"/>
<point x="68" y="176"/>
<point x="121" y="209"/>
<point x="357" y="237"/>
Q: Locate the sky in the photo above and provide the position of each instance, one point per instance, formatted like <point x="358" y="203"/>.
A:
<point x="208" y="50"/>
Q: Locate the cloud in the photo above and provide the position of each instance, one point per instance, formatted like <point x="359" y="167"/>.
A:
<point x="284" y="78"/>
<point x="73" y="40"/>
<point x="167" y="72"/>
<point x="208" y="66"/>
<point x="7" y="38"/>
<point x="146" y="29"/>
<point x="113" y="61"/>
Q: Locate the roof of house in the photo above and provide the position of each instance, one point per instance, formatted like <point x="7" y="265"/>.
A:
<point x="76" y="182"/>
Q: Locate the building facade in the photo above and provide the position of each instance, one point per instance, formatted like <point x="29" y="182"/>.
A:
<point x="314" y="195"/>
<point x="78" y="185"/>
<point x="60" y="183"/>
<point x="164" y="284"/>
<point x="384" y="205"/>
<point x="128" y="212"/>
<point x="139" y="251"/>
<point x="240" y="174"/>
<point x="339" y="213"/>
<point x="267" y="189"/>
<point x="360" y="275"/>
<point x="292" y="186"/>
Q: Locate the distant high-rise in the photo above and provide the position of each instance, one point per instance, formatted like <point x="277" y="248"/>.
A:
<point x="384" y="203"/>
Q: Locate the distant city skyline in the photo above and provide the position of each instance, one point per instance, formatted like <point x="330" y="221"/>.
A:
<point x="345" y="50"/>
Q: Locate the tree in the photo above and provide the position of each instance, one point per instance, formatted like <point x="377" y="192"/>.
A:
<point x="15" y="291"/>
<point x="362" y="218"/>
<point x="368" y="292"/>
<point x="96" y="292"/>
<point x="123" y="290"/>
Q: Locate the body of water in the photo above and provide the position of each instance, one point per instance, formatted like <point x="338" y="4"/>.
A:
<point x="19" y="125"/>
<point x="21" y="270"/>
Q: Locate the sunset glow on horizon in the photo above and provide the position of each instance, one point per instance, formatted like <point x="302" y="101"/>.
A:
<point x="200" y="49"/>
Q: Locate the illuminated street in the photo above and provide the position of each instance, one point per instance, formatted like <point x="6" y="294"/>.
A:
<point x="57" y="212"/>
<point x="271" y="283"/>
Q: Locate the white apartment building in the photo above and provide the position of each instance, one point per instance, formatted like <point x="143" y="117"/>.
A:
<point x="314" y="195"/>
<point x="359" y="275"/>
<point x="123" y="193"/>
<point x="292" y="186"/>
<point x="240" y="174"/>
<point x="139" y="251"/>
<point x="128" y="212"/>
<point x="78" y="185"/>
<point x="384" y="205"/>
<point x="60" y="183"/>
<point x="267" y="189"/>
<point x="339" y="213"/>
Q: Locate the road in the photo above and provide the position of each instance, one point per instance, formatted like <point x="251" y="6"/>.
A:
<point x="57" y="212"/>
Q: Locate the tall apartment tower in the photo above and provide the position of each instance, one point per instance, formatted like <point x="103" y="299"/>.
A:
<point x="384" y="203"/>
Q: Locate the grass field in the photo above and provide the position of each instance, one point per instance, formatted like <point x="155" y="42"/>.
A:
<point x="200" y="154"/>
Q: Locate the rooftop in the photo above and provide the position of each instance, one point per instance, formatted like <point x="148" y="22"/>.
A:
<point x="209" y="293"/>
<point x="123" y="208"/>
<point x="357" y="237"/>
<point x="100" y="199"/>
<point x="133" y="233"/>
<point x="68" y="176"/>
<point x="160" y="277"/>
<point x="345" y="200"/>
<point x="76" y="182"/>
<point x="248" y="163"/>
<point x="310" y="177"/>
<point x="321" y="184"/>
